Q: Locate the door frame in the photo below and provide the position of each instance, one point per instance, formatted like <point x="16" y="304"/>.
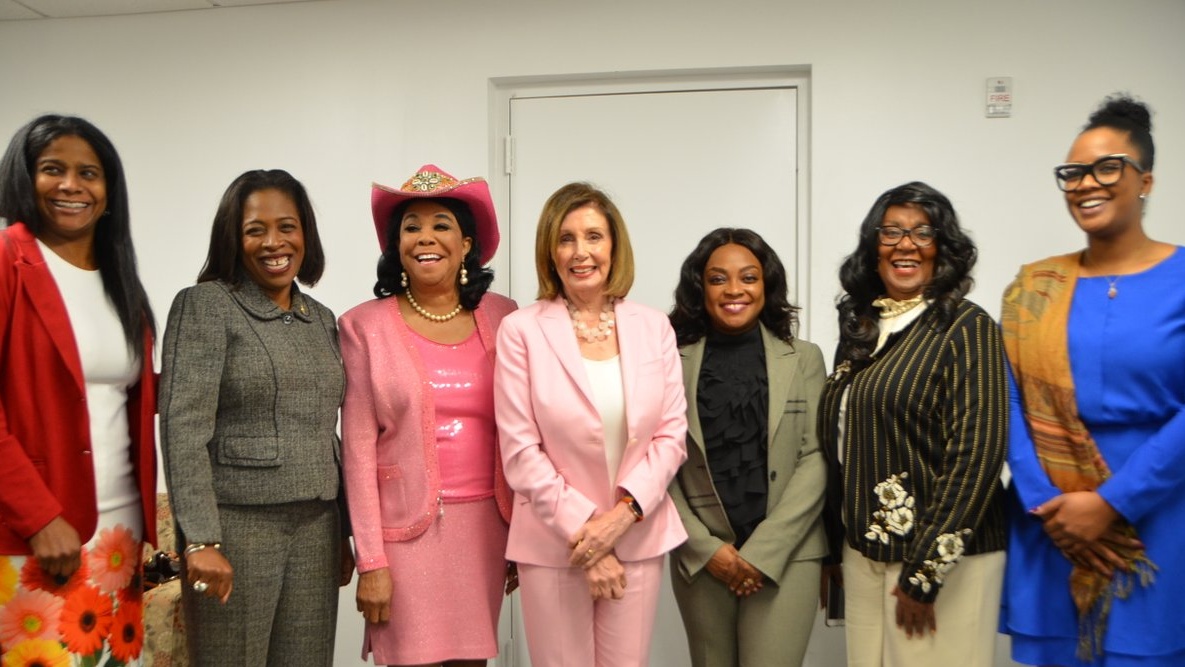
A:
<point x="503" y="89"/>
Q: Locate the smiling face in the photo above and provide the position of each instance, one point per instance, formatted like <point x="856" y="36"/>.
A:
<point x="584" y="252"/>
<point x="273" y="243"/>
<point x="71" y="190"/>
<point x="1107" y="210"/>
<point x="905" y="268"/>
<point x="734" y="289"/>
<point x="432" y="247"/>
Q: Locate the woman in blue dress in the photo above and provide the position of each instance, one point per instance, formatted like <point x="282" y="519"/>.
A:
<point x="1096" y="340"/>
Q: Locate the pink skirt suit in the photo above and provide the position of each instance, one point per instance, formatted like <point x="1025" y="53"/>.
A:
<point x="429" y="503"/>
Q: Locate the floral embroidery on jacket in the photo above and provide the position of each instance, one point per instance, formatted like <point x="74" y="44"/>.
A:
<point x="933" y="572"/>
<point x="896" y="513"/>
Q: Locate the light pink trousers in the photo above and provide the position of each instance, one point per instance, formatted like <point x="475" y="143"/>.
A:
<point x="566" y="628"/>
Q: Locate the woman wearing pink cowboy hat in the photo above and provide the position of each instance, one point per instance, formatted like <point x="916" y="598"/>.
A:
<point x="428" y="502"/>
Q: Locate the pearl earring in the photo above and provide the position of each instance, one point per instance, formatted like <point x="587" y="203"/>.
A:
<point x="464" y="275"/>
<point x="403" y="278"/>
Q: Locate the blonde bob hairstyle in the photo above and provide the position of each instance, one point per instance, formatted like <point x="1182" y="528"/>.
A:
<point x="547" y="238"/>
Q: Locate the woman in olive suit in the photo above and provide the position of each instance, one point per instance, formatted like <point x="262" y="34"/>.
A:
<point x="751" y="492"/>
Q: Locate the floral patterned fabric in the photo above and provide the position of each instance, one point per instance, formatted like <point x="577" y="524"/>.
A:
<point x="94" y="618"/>
<point x="164" y="628"/>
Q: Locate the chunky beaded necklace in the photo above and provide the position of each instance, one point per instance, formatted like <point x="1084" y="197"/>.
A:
<point x="604" y="326"/>
<point x="411" y="300"/>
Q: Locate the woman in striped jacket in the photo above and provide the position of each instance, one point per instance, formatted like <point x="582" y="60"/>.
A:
<point x="914" y="421"/>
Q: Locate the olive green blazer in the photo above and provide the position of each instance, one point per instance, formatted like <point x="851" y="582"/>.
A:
<point x="792" y="529"/>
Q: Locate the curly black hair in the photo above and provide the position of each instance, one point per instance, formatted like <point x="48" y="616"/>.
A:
<point x="391" y="265"/>
<point x="689" y="317"/>
<point x="858" y="318"/>
<point x="1124" y="113"/>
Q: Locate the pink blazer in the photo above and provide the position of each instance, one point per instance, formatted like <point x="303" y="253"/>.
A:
<point x="389" y="427"/>
<point x="552" y="439"/>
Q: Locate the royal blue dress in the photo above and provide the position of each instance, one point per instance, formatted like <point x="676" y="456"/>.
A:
<point x="1127" y="355"/>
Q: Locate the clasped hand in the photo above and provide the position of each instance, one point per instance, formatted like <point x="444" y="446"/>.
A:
<point x="597" y="537"/>
<point x="739" y="575"/>
<point x="1084" y="526"/>
<point x="606" y="578"/>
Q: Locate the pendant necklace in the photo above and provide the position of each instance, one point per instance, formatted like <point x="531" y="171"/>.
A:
<point x="1112" y="290"/>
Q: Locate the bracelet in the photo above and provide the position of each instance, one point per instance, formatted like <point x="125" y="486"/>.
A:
<point x="635" y="508"/>
<point x="198" y="546"/>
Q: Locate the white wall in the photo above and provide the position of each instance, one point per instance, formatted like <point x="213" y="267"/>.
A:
<point x="349" y="91"/>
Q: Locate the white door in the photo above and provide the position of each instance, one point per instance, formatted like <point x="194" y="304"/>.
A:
<point x="678" y="164"/>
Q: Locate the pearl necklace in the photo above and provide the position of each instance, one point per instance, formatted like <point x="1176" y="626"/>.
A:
<point x="604" y="327"/>
<point x="892" y="307"/>
<point x="429" y="316"/>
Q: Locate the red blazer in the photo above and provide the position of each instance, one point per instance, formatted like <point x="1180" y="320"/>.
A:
<point x="46" y="469"/>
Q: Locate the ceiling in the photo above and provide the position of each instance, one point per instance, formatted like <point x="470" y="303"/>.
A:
<point x="19" y="10"/>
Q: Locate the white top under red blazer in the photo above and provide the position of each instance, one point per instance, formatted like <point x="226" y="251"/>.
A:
<point x="553" y="442"/>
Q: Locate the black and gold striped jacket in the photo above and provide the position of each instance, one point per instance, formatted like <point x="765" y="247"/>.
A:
<point x="925" y="439"/>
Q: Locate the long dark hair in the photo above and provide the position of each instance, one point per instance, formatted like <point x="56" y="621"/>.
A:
<point x="1126" y="114"/>
<point x="390" y="265"/>
<point x="224" y="260"/>
<point x="114" y="253"/>
<point x="690" y="319"/>
<point x="862" y="284"/>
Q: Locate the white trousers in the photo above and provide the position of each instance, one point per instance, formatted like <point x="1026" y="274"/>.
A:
<point x="967" y="613"/>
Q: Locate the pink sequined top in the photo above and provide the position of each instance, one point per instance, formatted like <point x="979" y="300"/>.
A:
<point x="461" y="378"/>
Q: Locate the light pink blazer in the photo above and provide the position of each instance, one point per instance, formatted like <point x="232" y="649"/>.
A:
<point x="553" y="443"/>
<point x="389" y="427"/>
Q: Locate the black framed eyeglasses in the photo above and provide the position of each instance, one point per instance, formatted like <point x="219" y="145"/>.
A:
<point x="1106" y="170"/>
<point x="922" y="235"/>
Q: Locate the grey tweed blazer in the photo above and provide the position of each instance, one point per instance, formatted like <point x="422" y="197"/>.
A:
<point x="249" y="398"/>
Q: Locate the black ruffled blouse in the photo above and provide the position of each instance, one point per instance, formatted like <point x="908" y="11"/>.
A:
<point x="733" y="400"/>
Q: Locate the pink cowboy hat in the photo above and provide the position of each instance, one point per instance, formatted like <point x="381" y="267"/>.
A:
<point x="432" y="182"/>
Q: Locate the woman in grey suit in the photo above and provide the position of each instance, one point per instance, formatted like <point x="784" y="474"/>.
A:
<point x="251" y="381"/>
<point x="751" y="491"/>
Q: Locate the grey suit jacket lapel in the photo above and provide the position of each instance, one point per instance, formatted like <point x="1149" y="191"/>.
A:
<point x="782" y="373"/>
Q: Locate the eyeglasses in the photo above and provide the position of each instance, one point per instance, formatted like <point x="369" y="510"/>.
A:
<point x="922" y="235"/>
<point x="1106" y="170"/>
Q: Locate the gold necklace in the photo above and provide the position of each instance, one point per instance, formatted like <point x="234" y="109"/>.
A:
<point x="429" y="316"/>
<point x="891" y="307"/>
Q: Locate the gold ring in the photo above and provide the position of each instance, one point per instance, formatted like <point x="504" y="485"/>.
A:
<point x="748" y="582"/>
<point x="588" y="554"/>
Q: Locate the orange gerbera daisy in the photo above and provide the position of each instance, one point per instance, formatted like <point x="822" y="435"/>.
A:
<point x="113" y="558"/>
<point x="127" y="634"/>
<point x="86" y="620"/>
<point x="134" y="592"/>
<point x="30" y="615"/>
<point x="37" y="653"/>
<point x="33" y="577"/>
<point x="8" y="579"/>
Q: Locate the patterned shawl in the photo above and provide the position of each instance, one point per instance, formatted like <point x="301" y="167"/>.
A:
<point x="1035" y="329"/>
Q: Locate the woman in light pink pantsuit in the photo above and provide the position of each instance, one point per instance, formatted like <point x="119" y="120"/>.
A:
<point x="591" y="415"/>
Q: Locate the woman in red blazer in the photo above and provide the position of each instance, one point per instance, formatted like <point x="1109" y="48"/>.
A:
<point x="77" y="400"/>
<point x="589" y="400"/>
